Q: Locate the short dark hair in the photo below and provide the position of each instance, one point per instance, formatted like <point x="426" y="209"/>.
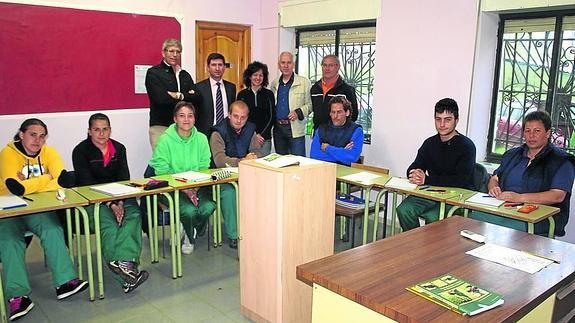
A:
<point x="184" y="104"/>
<point x="449" y="105"/>
<point x="539" y="115"/>
<point x="213" y="56"/>
<point x="342" y="100"/>
<point x="251" y="69"/>
<point x="98" y="116"/>
<point x="27" y="123"/>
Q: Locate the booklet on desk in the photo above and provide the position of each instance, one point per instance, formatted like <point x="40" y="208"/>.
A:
<point x="278" y="161"/>
<point x="457" y="295"/>
<point x="11" y="201"/>
<point x="115" y="189"/>
<point x="192" y="176"/>
<point x="485" y="199"/>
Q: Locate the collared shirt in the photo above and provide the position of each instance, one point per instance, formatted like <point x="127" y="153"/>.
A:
<point x="514" y="180"/>
<point x="282" y="107"/>
<point x="224" y="97"/>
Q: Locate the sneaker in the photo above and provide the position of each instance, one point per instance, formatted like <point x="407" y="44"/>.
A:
<point x="19" y="306"/>
<point x="70" y="288"/>
<point x="127" y="270"/>
<point x="187" y="244"/>
<point x="142" y="277"/>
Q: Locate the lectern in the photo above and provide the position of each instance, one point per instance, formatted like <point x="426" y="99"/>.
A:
<point x="287" y="218"/>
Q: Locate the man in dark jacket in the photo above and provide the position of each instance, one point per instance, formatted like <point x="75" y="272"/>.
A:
<point x="167" y="84"/>
<point x="536" y="172"/>
<point x="329" y="86"/>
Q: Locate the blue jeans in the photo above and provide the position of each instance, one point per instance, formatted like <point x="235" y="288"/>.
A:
<point x="285" y="144"/>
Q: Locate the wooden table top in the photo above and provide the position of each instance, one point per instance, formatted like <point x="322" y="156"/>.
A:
<point x="376" y="275"/>
<point x="46" y="201"/>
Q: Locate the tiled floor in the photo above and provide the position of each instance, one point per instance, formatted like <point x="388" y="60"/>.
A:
<point x="208" y="292"/>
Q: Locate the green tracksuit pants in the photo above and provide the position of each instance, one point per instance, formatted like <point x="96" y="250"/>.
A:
<point x="13" y="251"/>
<point x="412" y="208"/>
<point x="229" y="210"/>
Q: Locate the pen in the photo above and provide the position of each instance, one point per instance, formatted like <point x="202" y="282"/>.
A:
<point x="27" y="199"/>
<point x="182" y="180"/>
<point x="487" y="196"/>
<point x="546" y="258"/>
<point x="424" y="187"/>
<point x="437" y="191"/>
<point x="512" y="204"/>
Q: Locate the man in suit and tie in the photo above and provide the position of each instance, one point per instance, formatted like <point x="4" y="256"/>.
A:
<point x="217" y="94"/>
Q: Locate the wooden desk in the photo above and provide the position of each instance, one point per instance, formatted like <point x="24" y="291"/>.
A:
<point x="379" y="182"/>
<point x="440" y="197"/>
<point x="373" y="278"/>
<point x="98" y="198"/>
<point x="47" y="201"/>
<point x="175" y="224"/>
<point x="542" y="213"/>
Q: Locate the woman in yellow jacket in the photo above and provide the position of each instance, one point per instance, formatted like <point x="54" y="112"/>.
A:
<point x="27" y="165"/>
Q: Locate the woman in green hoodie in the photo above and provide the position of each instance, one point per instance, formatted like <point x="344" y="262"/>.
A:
<point x="183" y="148"/>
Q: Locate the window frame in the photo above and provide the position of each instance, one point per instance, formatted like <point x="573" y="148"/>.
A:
<point x="337" y="27"/>
<point x="557" y="40"/>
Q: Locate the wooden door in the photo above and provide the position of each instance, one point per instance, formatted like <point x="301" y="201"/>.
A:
<point x="231" y="40"/>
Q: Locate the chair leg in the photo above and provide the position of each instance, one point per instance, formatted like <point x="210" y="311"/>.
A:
<point x="385" y="215"/>
<point x="352" y="232"/>
<point x="164" y="237"/>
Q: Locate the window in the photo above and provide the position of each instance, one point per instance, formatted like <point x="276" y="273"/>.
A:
<point x="355" y="47"/>
<point x="535" y="70"/>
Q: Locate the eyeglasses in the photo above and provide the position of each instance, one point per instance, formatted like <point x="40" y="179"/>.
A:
<point x="174" y="51"/>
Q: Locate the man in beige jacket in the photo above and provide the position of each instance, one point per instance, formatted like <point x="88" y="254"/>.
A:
<point x="293" y="106"/>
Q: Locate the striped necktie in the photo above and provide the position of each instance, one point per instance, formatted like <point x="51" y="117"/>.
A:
<point x="219" y="104"/>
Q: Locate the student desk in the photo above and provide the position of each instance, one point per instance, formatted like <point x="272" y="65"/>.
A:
<point x="47" y="201"/>
<point x="428" y="194"/>
<point x="175" y="228"/>
<point x="98" y="198"/>
<point x="368" y="283"/>
<point x="378" y="182"/>
<point x="542" y="213"/>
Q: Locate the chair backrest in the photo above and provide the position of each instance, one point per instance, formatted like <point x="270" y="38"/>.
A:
<point x="370" y="168"/>
<point x="149" y="172"/>
<point x="480" y="178"/>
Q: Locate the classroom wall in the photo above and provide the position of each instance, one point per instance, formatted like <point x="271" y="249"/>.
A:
<point x="131" y="126"/>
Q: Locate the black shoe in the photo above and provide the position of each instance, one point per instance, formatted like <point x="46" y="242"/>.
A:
<point x="233" y="243"/>
<point x="127" y="270"/>
<point x="70" y="288"/>
<point x="142" y="277"/>
<point x="19" y="306"/>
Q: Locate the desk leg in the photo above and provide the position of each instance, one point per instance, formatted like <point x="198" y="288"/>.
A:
<point x="70" y="233"/>
<point x="236" y="188"/>
<point x="98" y="249"/>
<point x="530" y="227"/>
<point x="150" y="227"/>
<point x="365" y="215"/>
<point x="155" y="230"/>
<point x="79" y="245"/>
<point x="175" y="235"/>
<point x="551" y="233"/>
<point x="393" y="212"/>
<point x="441" y="211"/>
<point x="376" y="214"/>
<point x="171" y="208"/>
<point x="3" y="315"/>
<point x="218" y="232"/>
<point x="452" y="210"/>
<point x="82" y="211"/>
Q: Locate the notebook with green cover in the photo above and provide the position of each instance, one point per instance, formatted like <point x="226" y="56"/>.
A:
<point x="457" y="295"/>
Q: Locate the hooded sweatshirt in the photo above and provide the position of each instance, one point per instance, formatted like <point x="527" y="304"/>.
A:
<point x="175" y="154"/>
<point x="36" y="169"/>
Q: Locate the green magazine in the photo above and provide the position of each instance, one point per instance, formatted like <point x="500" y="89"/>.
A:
<point x="457" y="295"/>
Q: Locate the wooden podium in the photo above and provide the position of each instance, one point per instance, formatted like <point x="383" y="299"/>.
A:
<point x="287" y="218"/>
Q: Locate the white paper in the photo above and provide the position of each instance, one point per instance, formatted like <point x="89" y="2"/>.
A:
<point x="140" y="78"/>
<point x="192" y="176"/>
<point x="278" y="161"/>
<point x="304" y="161"/>
<point x="400" y="183"/>
<point x="361" y="177"/>
<point x="11" y="201"/>
<point x="510" y="258"/>
<point x="484" y="199"/>
<point x="115" y="189"/>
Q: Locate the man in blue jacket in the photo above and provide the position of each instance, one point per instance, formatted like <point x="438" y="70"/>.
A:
<point x="340" y="140"/>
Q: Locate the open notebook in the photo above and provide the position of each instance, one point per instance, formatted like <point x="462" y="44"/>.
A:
<point x="11" y="201"/>
<point x="115" y="189"/>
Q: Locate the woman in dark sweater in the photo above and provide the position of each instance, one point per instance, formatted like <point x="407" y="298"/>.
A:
<point x="261" y="103"/>
<point x="99" y="159"/>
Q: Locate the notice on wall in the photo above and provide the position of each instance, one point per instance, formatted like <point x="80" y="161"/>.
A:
<point x="140" y="78"/>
